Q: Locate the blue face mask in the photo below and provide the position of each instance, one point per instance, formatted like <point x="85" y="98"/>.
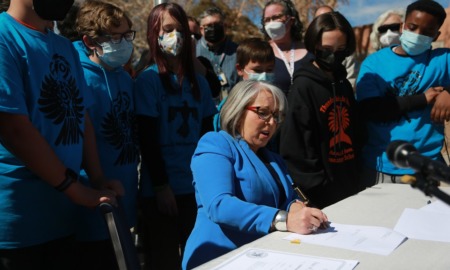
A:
<point x="116" y="55"/>
<point x="415" y="44"/>
<point x="265" y="76"/>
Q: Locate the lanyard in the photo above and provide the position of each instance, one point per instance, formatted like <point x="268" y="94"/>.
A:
<point x="290" y="64"/>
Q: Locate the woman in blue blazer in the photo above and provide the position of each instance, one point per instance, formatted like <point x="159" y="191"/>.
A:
<point x="243" y="191"/>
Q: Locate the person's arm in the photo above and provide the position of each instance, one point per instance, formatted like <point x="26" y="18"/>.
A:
<point x="300" y="145"/>
<point x="148" y="133"/>
<point x="374" y="102"/>
<point x="25" y="142"/>
<point x="441" y="108"/>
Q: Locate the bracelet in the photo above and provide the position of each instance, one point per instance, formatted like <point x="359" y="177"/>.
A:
<point x="71" y="177"/>
<point x="279" y="223"/>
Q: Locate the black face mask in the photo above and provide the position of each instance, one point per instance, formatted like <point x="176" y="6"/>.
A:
<point x="328" y="61"/>
<point x="52" y="10"/>
<point x="214" y="33"/>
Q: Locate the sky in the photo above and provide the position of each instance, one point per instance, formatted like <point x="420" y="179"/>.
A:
<point x="361" y="12"/>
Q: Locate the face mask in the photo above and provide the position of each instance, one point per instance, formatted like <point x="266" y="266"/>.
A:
<point x="265" y="76"/>
<point x="214" y="33"/>
<point x="275" y="30"/>
<point x="389" y="38"/>
<point x="328" y="60"/>
<point x="116" y="55"/>
<point x="52" y="10"/>
<point x="171" y="43"/>
<point x="415" y="44"/>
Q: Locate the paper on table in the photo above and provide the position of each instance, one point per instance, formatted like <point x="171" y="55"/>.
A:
<point x="370" y="239"/>
<point x="263" y="259"/>
<point x="424" y="225"/>
<point x="437" y="206"/>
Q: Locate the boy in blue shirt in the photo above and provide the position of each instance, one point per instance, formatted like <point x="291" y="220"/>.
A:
<point x="46" y="137"/>
<point x="396" y="90"/>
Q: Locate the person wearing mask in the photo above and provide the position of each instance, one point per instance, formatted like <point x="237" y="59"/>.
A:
<point x="202" y="64"/>
<point x="106" y="46"/>
<point x="255" y="61"/>
<point x="243" y="190"/>
<point x="386" y="29"/>
<point x="283" y="28"/>
<point x="401" y="94"/>
<point x="46" y="138"/>
<point x="349" y="61"/>
<point x="318" y="138"/>
<point x="217" y="48"/>
<point x="174" y="109"/>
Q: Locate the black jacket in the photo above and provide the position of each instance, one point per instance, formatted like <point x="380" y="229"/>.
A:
<point x="318" y="137"/>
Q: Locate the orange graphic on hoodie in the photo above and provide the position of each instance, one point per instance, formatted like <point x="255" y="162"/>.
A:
<point x="339" y="121"/>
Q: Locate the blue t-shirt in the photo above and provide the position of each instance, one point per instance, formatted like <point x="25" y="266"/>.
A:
<point x="113" y="118"/>
<point x="41" y="78"/>
<point x="385" y="73"/>
<point x="180" y="122"/>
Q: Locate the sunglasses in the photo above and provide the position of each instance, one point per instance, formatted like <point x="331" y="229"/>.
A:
<point x="393" y="27"/>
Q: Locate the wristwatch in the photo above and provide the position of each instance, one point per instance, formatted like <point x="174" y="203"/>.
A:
<point x="279" y="223"/>
<point x="70" y="178"/>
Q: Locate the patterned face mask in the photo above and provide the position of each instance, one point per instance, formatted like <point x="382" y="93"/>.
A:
<point x="171" y="43"/>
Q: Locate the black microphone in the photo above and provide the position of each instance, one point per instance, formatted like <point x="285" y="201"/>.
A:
<point x="404" y="155"/>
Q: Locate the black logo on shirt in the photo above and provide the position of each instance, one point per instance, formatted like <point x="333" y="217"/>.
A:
<point x="60" y="101"/>
<point x="185" y="111"/>
<point x="119" y="129"/>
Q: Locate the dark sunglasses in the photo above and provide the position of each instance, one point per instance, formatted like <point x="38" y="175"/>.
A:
<point x="393" y="27"/>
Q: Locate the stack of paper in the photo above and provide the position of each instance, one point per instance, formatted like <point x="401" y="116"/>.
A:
<point x="431" y="222"/>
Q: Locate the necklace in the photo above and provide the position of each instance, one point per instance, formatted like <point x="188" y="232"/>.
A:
<point x="290" y="64"/>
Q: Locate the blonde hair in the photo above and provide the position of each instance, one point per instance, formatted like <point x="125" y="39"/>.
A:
<point x="242" y="94"/>
<point x="375" y="35"/>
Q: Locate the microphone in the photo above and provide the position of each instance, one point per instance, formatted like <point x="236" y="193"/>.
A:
<point x="404" y="155"/>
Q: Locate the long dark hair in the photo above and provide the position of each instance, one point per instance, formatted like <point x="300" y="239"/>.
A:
<point x="158" y="56"/>
<point x="328" y="22"/>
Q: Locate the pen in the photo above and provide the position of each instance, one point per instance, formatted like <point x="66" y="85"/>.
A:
<point x="300" y="194"/>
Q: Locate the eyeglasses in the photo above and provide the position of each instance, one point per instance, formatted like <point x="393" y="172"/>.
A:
<point x="265" y="114"/>
<point x="393" y="27"/>
<point x="117" y="38"/>
<point x="276" y="18"/>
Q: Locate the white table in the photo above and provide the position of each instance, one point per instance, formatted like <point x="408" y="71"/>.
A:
<point x="380" y="205"/>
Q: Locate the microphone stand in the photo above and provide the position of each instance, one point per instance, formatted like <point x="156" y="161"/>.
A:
<point x="429" y="185"/>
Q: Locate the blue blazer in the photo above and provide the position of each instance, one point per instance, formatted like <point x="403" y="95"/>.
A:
<point x="237" y="197"/>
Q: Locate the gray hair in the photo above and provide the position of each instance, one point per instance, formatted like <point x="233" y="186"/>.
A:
<point x="242" y="94"/>
<point x="375" y="35"/>
<point x="211" y="12"/>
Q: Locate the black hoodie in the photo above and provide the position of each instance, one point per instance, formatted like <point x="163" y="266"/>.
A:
<point x="318" y="135"/>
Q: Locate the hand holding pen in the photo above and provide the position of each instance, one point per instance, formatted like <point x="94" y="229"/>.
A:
<point x="323" y="222"/>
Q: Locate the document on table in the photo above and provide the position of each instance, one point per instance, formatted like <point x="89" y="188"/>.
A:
<point x="369" y="239"/>
<point x="429" y="223"/>
<point x="263" y="259"/>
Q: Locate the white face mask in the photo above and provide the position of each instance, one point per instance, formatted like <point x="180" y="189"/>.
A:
<point x="116" y="55"/>
<point x="171" y="43"/>
<point x="389" y="38"/>
<point x="275" y="30"/>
